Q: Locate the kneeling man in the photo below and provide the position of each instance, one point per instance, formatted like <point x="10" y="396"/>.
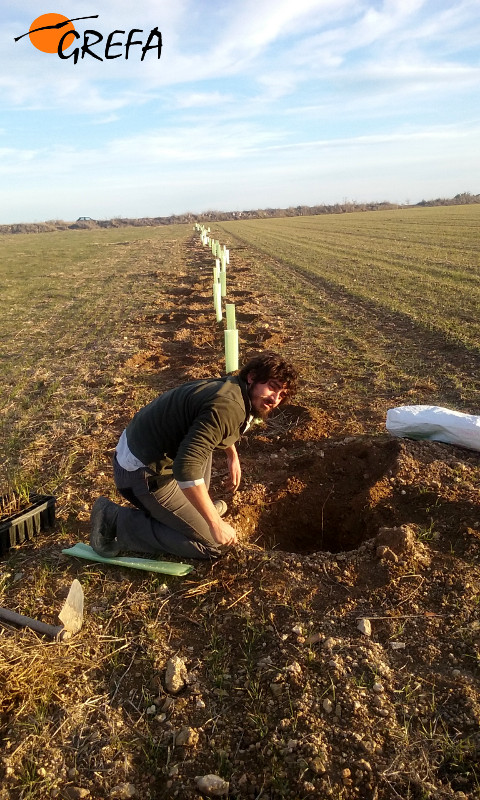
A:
<point x="163" y="462"/>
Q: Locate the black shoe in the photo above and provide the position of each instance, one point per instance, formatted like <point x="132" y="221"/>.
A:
<point x="103" y="530"/>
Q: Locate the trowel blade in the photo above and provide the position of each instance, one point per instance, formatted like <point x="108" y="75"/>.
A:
<point x="71" y="614"/>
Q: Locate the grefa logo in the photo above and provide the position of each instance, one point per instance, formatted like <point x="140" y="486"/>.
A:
<point x="54" y="33"/>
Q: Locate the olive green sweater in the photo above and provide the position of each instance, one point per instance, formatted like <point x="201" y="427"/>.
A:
<point x="177" y="431"/>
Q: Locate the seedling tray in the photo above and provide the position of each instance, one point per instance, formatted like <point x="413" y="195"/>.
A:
<point x="24" y="525"/>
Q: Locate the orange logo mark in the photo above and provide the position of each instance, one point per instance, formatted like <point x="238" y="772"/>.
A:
<point x="47" y="30"/>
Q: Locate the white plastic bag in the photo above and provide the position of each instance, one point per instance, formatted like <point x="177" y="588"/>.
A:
<point x="435" y="423"/>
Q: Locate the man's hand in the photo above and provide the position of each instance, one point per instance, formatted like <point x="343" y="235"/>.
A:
<point x="223" y="533"/>
<point x="234" y="469"/>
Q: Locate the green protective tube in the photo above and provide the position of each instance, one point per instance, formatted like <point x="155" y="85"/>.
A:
<point x="81" y="550"/>
<point x="214" y="293"/>
<point x="223" y="283"/>
<point x="218" y="301"/>
<point x="231" y="350"/>
<point x="230" y="313"/>
<point x="223" y="262"/>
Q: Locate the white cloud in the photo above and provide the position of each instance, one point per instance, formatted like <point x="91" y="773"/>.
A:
<point x="248" y="96"/>
<point x="202" y="99"/>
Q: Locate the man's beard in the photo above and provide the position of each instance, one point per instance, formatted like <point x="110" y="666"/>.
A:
<point x="260" y="413"/>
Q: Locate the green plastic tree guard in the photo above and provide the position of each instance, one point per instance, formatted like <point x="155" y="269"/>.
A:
<point x="231" y="350"/>
<point x="230" y="313"/>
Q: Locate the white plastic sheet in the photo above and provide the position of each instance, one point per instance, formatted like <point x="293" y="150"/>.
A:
<point x="435" y="423"/>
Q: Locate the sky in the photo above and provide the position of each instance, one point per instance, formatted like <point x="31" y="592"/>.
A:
<point x="252" y="104"/>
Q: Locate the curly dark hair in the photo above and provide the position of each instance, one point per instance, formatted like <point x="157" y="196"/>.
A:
<point x="271" y="366"/>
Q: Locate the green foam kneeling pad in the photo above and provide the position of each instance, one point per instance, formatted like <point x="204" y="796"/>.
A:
<point x="82" y="550"/>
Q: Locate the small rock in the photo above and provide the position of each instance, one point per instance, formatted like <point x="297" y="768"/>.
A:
<point x="264" y="662"/>
<point x="212" y="785"/>
<point x="123" y="791"/>
<point x="327" y="705"/>
<point x="317" y="766"/>
<point x="294" y="668"/>
<point x="276" y="689"/>
<point x="76" y="792"/>
<point x="401" y="540"/>
<point x="297" y="629"/>
<point x="365" y="626"/>
<point x="175" y="674"/>
<point x="292" y="744"/>
<point x="330" y="643"/>
<point x="362" y="764"/>
<point x="152" y="709"/>
<point x="384" y="552"/>
<point x="314" y="638"/>
<point x="456" y="673"/>
<point x="168" y="703"/>
<point x="187" y="737"/>
<point x="378" y="687"/>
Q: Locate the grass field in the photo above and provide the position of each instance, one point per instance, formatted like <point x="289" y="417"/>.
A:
<point x="285" y="698"/>
<point x="424" y="264"/>
<point x="387" y="303"/>
<point x="71" y="303"/>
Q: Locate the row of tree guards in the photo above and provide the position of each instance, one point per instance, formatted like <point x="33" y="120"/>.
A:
<point x="222" y="258"/>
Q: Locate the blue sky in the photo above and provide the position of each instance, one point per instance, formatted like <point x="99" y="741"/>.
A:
<point x="253" y="104"/>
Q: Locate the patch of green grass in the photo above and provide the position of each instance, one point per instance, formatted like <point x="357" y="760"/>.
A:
<point x="426" y="533"/>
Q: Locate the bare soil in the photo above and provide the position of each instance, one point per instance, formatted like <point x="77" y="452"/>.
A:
<point x="284" y="695"/>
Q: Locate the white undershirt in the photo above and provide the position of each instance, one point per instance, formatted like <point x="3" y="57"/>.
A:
<point x="125" y="457"/>
<point x="130" y="463"/>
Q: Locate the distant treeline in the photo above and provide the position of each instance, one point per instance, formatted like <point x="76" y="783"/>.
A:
<point x="86" y="223"/>
<point x="464" y="199"/>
